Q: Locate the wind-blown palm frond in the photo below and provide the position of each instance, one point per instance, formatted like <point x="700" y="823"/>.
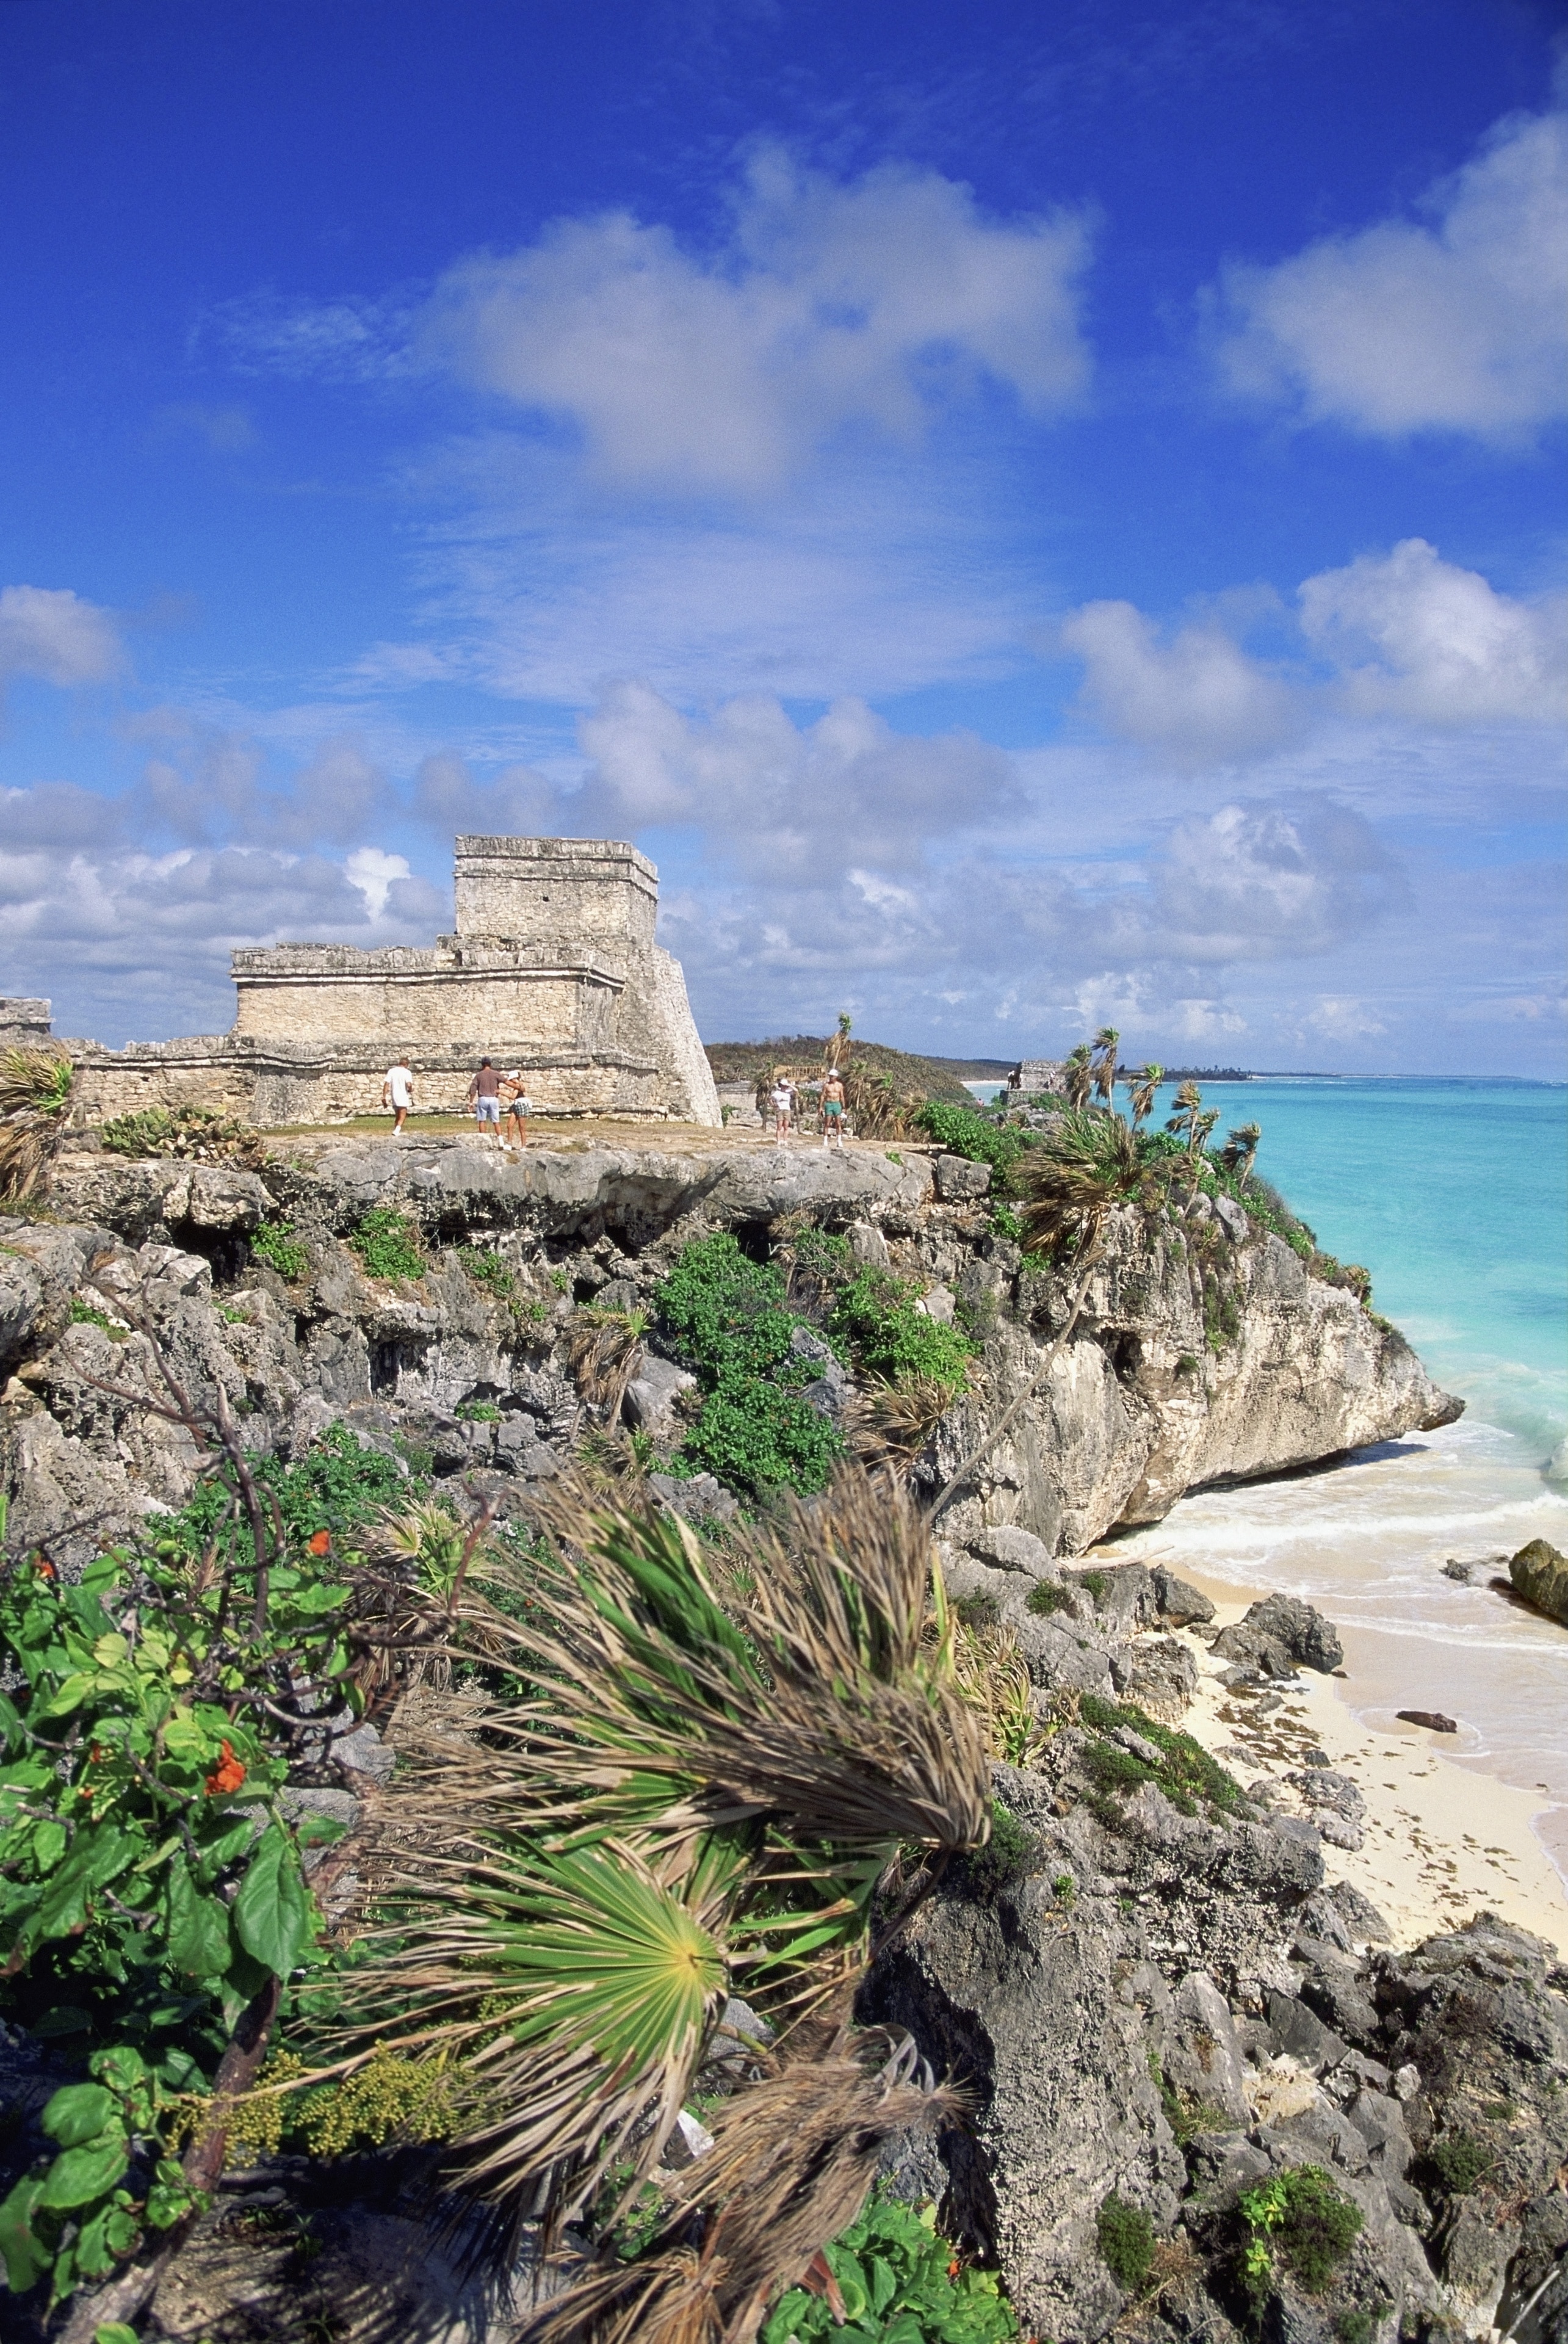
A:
<point x="1084" y="1165"/>
<point x="1080" y="1077"/>
<point x="794" y="2159"/>
<point x="605" y="1350"/>
<point x="1141" y="1089"/>
<point x="813" y="1708"/>
<point x="571" y="1993"/>
<point x="890" y="1423"/>
<point x="35" y="1094"/>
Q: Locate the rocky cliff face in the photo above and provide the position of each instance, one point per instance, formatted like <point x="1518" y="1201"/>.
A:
<point x="1211" y="1353"/>
<point x="1166" y="2011"/>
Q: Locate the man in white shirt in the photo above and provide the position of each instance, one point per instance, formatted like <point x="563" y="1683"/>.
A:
<point x="398" y="1093"/>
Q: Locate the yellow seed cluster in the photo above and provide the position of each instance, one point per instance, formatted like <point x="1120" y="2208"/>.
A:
<point x="416" y="2101"/>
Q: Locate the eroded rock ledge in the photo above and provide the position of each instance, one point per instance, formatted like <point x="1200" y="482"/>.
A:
<point x="1210" y="1353"/>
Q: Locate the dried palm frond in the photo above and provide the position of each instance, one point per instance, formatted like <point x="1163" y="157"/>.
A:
<point x="605" y="1348"/>
<point x="813" y="1708"/>
<point x="422" y="1562"/>
<point x="794" y="2159"/>
<point x="890" y="1423"/>
<point x="35" y="1093"/>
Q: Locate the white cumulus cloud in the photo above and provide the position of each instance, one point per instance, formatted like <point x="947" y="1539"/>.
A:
<point x="828" y="305"/>
<point x="1417" y="636"/>
<point x="1197" y="698"/>
<point x="788" y="803"/>
<point x="50" y="632"/>
<point x="1455" y="322"/>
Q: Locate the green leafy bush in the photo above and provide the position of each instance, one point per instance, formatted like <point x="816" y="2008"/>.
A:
<point x="150" y="1877"/>
<point x="1005" y="1854"/>
<point x="1096" y="1586"/>
<point x="274" y="1243"/>
<point x="389" y="1245"/>
<point x="727" y="1317"/>
<point x="1005" y="1223"/>
<point x="1125" y="2235"/>
<point x="477" y="1411"/>
<point x="1043" y="1598"/>
<point x="1301" y="2218"/>
<point x="964" y="1131"/>
<point x="1186" y="1774"/>
<point x="900" y="2283"/>
<point x="876" y="1315"/>
<point x="492" y="1271"/>
<point x="1458" y="2162"/>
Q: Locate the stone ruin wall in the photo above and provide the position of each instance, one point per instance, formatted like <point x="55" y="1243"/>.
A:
<point x="553" y="969"/>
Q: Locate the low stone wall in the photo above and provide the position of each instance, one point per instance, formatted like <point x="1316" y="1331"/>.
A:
<point x="272" y="1087"/>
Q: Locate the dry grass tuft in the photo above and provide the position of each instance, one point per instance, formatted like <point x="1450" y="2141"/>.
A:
<point x="36" y="1094"/>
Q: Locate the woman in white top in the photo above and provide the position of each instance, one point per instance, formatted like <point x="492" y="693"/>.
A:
<point x="519" y="1109"/>
<point x="783" y="1106"/>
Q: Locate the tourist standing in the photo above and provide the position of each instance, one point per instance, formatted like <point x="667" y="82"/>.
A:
<point x="834" y="1106"/>
<point x="783" y="1107"/>
<point x="520" y="1106"/>
<point x="485" y="1097"/>
<point x="398" y="1093"/>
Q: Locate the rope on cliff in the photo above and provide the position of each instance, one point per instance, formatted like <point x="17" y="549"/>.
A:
<point x="967" y="1465"/>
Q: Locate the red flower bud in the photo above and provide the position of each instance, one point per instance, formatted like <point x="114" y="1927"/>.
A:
<point x="226" y="1775"/>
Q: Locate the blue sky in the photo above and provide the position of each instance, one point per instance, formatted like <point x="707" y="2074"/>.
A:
<point x="1030" y="517"/>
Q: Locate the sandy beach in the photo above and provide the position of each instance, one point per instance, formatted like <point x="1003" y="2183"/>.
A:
<point x="1442" y="1841"/>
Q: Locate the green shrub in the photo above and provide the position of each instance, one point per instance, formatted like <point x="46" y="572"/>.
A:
<point x="274" y="1243"/>
<point x="1125" y="2237"/>
<point x="1186" y="1774"/>
<point x="84" y="1314"/>
<point x="389" y="1244"/>
<point x="1096" y="1586"/>
<point x="1043" y="1598"/>
<point x="490" y="1271"/>
<point x="201" y="1132"/>
<point x="890" y="1338"/>
<point x="726" y="1315"/>
<point x="901" y="2284"/>
<point x="477" y="1411"/>
<point x="965" y="1131"/>
<point x="978" y="1611"/>
<point x="1458" y="2162"/>
<point x="1005" y="1854"/>
<point x="1300" y="2218"/>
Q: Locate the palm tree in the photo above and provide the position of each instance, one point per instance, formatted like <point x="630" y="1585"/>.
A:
<point x="1202" y="1125"/>
<point x="681" y="1798"/>
<point x="835" y="1055"/>
<point x="1240" y="1151"/>
<point x="1105" y="1049"/>
<point x="1082" y="1167"/>
<point x="1141" y="1089"/>
<point x="1188" y="1105"/>
<point x="1079" y="1077"/>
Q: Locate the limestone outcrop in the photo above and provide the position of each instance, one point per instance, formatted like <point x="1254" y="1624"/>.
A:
<point x="1138" y="1405"/>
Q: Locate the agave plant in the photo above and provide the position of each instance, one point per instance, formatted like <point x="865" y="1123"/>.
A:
<point x="680" y="1800"/>
<point x="36" y="1094"/>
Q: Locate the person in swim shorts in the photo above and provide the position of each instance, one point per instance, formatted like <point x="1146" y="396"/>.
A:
<point x="520" y="1106"/>
<point x="835" y="1104"/>
<point x="398" y="1093"/>
<point x="485" y="1097"/>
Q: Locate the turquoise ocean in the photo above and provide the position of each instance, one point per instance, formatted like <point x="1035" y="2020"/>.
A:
<point x="1454" y="1196"/>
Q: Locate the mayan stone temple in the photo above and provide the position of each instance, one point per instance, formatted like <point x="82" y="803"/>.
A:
<point x="552" y="968"/>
